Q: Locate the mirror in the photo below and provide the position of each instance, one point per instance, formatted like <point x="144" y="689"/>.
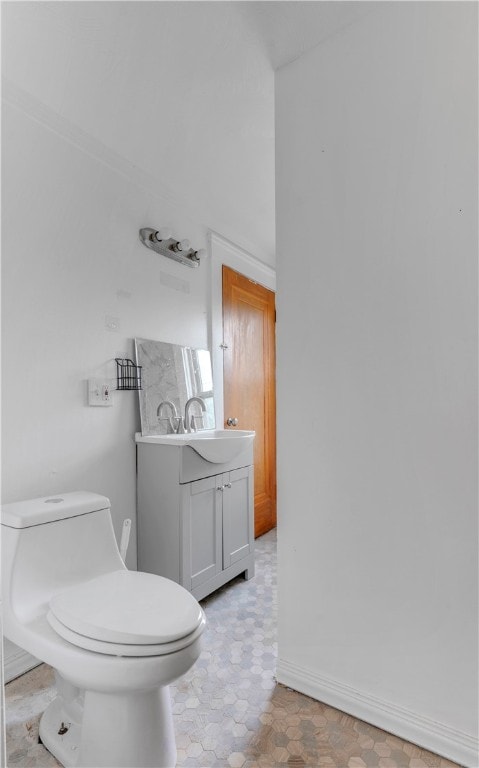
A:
<point x="173" y="374"/>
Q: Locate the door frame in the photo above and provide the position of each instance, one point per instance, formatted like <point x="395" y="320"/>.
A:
<point x="223" y="251"/>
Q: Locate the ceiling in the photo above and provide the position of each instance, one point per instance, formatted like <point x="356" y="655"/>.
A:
<point x="289" y="28"/>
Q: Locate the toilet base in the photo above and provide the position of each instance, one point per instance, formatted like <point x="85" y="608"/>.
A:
<point x="64" y="747"/>
<point x="133" y="730"/>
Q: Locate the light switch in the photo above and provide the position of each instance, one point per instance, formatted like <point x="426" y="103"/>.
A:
<point x="99" y="392"/>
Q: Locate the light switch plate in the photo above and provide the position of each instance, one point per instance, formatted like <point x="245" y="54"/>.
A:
<point x="100" y="392"/>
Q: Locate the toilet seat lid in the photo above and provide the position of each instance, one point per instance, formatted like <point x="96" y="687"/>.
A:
<point x="128" y="607"/>
<point x="123" y="649"/>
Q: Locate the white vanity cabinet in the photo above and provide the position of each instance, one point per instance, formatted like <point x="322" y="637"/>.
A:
<point x="195" y="517"/>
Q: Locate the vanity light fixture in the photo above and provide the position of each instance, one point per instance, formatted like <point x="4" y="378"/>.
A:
<point x="160" y="241"/>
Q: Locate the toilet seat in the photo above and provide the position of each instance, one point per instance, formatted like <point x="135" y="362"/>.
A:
<point x="123" y="649"/>
<point x="127" y="613"/>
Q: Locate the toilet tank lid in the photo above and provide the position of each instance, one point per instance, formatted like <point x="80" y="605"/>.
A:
<point x="48" y="509"/>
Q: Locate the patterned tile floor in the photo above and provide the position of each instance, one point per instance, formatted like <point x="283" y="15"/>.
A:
<point x="229" y="711"/>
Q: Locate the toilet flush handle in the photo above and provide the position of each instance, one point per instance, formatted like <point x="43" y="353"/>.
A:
<point x="125" y="538"/>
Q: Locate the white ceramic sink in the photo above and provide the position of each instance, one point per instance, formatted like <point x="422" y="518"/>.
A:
<point x="216" y="445"/>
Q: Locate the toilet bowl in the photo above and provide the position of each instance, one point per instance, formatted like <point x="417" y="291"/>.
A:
<point x="115" y="638"/>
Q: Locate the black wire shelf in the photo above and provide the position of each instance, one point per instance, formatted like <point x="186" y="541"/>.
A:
<point x="128" y="375"/>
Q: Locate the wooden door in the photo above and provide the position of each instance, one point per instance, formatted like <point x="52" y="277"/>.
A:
<point x="249" y="381"/>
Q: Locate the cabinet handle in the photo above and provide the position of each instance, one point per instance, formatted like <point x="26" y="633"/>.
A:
<point x="232" y="422"/>
<point x="227" y="485"/>
<point x="220" y="487"/>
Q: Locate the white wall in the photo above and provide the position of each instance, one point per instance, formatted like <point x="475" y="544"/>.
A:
<point x="181" y="90"/>
<point x="376" y="169"/>
<point x="116" y="115"/>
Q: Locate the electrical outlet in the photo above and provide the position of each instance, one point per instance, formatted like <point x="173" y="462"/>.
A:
<point x="99" y="392"/>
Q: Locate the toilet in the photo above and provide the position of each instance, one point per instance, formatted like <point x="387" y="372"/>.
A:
<point x="115" y="638"/>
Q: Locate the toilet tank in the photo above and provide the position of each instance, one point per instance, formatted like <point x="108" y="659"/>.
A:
<point x="52" y="543"/>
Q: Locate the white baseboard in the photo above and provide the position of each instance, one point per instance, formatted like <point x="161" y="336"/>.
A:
<point x="16" y="662"/>
<point x="437" y="737"/>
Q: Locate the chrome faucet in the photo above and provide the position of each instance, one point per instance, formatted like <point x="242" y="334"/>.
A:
<point x="190" y="425"/>
<point x="170" y="427"/>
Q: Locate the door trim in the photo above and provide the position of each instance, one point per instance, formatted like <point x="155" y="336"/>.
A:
<point x="223" y="251"/>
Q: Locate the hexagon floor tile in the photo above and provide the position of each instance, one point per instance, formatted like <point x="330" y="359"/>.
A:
<point x="228" y="710"/>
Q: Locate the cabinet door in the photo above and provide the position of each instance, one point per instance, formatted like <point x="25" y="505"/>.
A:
<point x="237" y="515"/>
<point x="201" y="521"/>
